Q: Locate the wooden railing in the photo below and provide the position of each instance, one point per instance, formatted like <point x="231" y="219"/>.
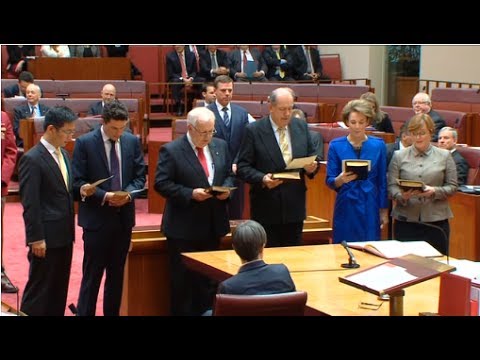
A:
<point x="427" y="85"/>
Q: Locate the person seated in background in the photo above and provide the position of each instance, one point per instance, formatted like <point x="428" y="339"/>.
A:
<point x="447" y="139"/>
<point x="122" y="51"/>
<point x="317" y="137"/>
<point x="55" y="51"/>
<point x="213" y="62"/>
<point x="404" y="140"/>
<point x="24" y="79"/>
<point x="307" y="65"/>
<point x="422" y="104"/>
<point x="108" y="94"/>
<point x="255" y="277"/>
<point x="381" y="120"/>
<point x="422" y="214"/>
<point x="239" y="59"/>
<point x="17" y="59"/>
<point x="32" y="109"/>
<point x="84" y="50"/>
<point x="208" y="93"/>
<point x="279" y="63"/>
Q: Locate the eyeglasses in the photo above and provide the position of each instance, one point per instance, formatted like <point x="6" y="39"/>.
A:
<point x="420" y="103"/>
<point x="205" y="133"/>
<point x="419" y="133"/>
<point x="67" y="132"/>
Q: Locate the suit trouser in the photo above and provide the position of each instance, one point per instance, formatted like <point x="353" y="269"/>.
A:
<point x="47" y="286"/>
<point x="237" y="202"/>
<point x="410" y="231"/>
<point x="191" y="292"/>
<point x="104" y="250"/>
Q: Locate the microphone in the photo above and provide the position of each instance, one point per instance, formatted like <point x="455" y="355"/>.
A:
<point x="446" y="242"/>
<point x="352" y="262"/>
<point x="73" y="309"/>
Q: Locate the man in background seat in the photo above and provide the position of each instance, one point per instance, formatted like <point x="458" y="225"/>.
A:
<point x="108" y="94"/>
<point x="447" y="139"/>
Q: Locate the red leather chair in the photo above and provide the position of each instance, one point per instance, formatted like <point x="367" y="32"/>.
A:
<point x="284" y="304"/>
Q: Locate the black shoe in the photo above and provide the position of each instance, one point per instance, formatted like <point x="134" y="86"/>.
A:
<point x="7" y="286"/>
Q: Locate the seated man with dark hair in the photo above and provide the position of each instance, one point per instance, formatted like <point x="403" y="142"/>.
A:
<point x="255" y="277"/>
<point x="24" y="79"/>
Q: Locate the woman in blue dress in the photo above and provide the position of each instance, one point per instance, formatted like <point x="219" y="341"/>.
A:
<point x="361" y="206"/>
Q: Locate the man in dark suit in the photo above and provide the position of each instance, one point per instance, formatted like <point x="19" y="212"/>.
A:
<point x="447" y="139"/>
<point x="279" y="63"/>
<point x="232" y="132"/>
<point x="47" y="199"/>
<point x="279" y="206"/>
<point x="107" y="211"/>
<point x="194" y="219"/>
<point x="24" y="79"/>
<point x="33" y="108"/>
<point x="213" y="62"/>
<point x="239" y="59"/>
<point x="108" y="94"/>
<point x="305" y="68"/>
<point x="181" y="69"/>
<point x="255" y="277"/>
<point x="422" y="104"/>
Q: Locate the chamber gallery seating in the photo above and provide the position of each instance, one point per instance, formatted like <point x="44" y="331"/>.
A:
<point x="472" y="155"/>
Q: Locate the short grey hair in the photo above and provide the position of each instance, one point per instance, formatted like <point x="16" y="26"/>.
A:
<point x="200" y="113"/>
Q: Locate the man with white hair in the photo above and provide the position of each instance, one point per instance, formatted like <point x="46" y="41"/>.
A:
<point x="108" y="93"/>
<point x="423" y="105"/>
<point x="447" y="139"/>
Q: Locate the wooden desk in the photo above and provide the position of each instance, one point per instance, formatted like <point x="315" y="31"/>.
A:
<point x="146" y="287"/>
<point x="80" y="68"/>
<point x="315" y="269"/>
<point x="465" y="226"/>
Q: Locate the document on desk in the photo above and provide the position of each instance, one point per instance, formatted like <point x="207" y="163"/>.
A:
<point x="299" y="163"/>
<point x="382" y="277"/>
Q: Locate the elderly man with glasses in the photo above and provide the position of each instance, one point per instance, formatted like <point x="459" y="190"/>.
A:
<point x="194" y="218"/>
<point x="422" y="104"/>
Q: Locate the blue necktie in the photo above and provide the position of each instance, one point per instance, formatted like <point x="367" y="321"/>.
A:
<point x="226" y="118"/>
<point x="114" y="168"/>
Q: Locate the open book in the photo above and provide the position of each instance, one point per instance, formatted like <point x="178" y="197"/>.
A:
<point x="299" y="163"/>
<point x="390" y="249"/>
<point x="396" y="274"/>
<point x="406" y="185"/>
<point x="216" y="190"/>
<point x="357" y="166"/>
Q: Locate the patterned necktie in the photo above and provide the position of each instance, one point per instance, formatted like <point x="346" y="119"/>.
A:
<point x="182" y="63"/>
<point x="214" y="61"/>
<point x="284" y="145"/>
<point x="226" y="118"/>
<point x="114" y="168"/>
<point x="35" y="111"/>
<point x="280" y="71"/>
<point x="203" y="160"/>
<point x="62" y="166"/>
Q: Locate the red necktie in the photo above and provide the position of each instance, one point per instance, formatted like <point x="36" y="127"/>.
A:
<point x="182" y="63"/>
<point x="197" y="57"/>
<point x="203" y="160"/>
<point x="244" y="61"/>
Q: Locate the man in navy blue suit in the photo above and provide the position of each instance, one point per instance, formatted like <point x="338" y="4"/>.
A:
<point x="230" y="123"/>
<point x="107" y="211"/>
<point x="194" y="219"/>
<point x="108" y="94"/>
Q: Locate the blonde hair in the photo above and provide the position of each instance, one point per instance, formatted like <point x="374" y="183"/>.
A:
<point x="358" y="105"/>
<point x="379" y="115"/>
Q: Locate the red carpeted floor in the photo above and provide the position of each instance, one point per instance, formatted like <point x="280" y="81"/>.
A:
<point x="15" y="252"/>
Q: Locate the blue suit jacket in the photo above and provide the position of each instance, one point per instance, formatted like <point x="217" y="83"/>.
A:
<point x="258" y="278"/>
<point x="178" y="173"/>
<point x="238" y="123"/>
<point x="90" y="164"/>
<point x="47" y="203"/>
<point x="96" y="109"/>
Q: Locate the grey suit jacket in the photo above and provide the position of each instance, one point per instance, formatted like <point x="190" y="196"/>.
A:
<point x="435" y="168"/>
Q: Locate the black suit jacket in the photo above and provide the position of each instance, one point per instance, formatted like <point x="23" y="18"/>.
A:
<point x="272" y="62"/>
<point x="236" y="61"/>
<point x="439" y="123"/>
<point x="174" y="68"/>
<point x="47" y="202"/>
<point x="258" y="278"/>
<point x="260" y="154"/>
<point x="96" y="109"/>
<point x="179" y="172"/>
<point x="391" y="148"/>
<point x="462" y="167"/>
<point x="300" y="62"/>
<point x="206" y="63"/>
<point x="12" y="91"/>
